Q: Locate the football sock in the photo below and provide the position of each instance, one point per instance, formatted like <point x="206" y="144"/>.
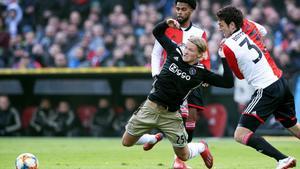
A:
<point x="261" y="145"/>
<point x="195" y="149"/>
<point x="190" y="127"/>
<point x="190" y="135"/>
<point x="146" y="138"/>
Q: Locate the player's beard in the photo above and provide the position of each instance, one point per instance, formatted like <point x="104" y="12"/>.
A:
<point x="182" y="20"/>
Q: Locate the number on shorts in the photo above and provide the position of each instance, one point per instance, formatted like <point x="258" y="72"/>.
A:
<point x="181" y="139"/>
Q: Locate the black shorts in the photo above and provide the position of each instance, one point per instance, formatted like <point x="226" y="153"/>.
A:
<point x="195" y="99"/>
<point x="276" y="99"/>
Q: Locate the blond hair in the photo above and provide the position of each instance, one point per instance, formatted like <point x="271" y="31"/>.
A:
<point x="199" y="42"/>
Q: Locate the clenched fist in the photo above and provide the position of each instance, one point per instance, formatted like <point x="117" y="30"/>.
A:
<point x="173" y="23"/>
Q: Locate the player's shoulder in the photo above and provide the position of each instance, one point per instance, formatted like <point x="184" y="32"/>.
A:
<point x="237" y="37"/>
<point x="196" y="28"/>
<point x="231" y="45"/>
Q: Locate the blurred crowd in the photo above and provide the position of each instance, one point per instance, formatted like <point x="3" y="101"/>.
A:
<point x="87" y="33"/>
<point x="93" y="33"/>
<point x="63" y="119"/>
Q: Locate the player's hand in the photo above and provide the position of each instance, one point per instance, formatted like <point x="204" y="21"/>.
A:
<point x="220" y="51"/>
<point x="173" y="23"/>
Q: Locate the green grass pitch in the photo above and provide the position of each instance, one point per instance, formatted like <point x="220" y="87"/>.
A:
<point x="107" y="153"/>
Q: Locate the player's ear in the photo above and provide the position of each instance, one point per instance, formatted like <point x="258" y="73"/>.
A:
<point x="232" y="25"/>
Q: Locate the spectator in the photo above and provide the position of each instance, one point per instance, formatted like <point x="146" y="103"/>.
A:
<point x="75" y="18"/>
<point x="10" y="123"/>
<point x="64" y="118"/>
<point x="60" y="60"/>
<point x="29" y="17"/>
<point x="25" y="62"/>
<point x="72" y="36"/>
<point x="42" y="122"/>
<point x="38" y="54"/>
<point x="99" y="57"/>
<point x="61" y="40"/>
<point x="144" y="57"/>
<point x="14" y="17"/>
<point x="4" y="44"/>
<point x="48" y="39"/>
<point x="121" y="119"/>
<point x="87" y="26"/>
<point x="29" y="42"/>
<point x="101" y="122"/>
<point x="79" y="59"/>
<point x="97" y="37"/>
<point x="129" y="59"/>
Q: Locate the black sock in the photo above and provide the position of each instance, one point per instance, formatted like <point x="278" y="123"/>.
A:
<point x="190" y="135"/>
<point x="261" y="145"/>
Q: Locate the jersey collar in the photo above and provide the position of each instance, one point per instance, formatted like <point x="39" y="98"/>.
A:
<point x="188" y="28"/>
<point x="235" y="32"/>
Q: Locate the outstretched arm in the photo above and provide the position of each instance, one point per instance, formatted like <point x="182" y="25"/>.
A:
<point x="159" y="34"/>
<point x="226" y="80"/>
<point x="156" y="56"/>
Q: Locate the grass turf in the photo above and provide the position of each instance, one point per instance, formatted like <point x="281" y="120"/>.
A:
<point x="102" y="153"/>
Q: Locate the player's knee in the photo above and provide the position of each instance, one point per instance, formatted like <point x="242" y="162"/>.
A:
<point x="125" y="143"/>
<point x="298" y="130"/>
<point x="295" y="130"/>
<point x="183" y="156"/>
<point x="238" y="136"/>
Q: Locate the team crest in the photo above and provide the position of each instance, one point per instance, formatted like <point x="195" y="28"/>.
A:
<point x="192" y="71"/>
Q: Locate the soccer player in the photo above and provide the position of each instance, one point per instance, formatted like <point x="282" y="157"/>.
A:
<point x="184" y="10"/>
<point x="178" y="76"/>
<point x="249" y="59"/>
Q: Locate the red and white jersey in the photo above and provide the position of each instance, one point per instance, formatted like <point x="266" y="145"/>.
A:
<point x="179" y="36"/>
<point x="248" y="57"/>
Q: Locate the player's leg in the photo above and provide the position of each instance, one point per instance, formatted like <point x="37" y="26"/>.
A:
<point x="295" y="130"/>
<point x="286" y="114"/>
<point x="171" y="124"/>
<point x="149" y="140"/>
<point x="247" y="137"/>
<point x="289" y="162"/>
<point x="189" y="112"/>
<point x="192" y="150"/>
<point x="146" y="139"/>
<point x="195" y="104"/>
<point x="129" y="140"/>
<point x="263" y="103"/>
<point x="287" y="117"/>
<point x="190" y="123"/>
<point x="189" y="116"/>
<point x="141" y="122"/>
<point x="184" y="110"/>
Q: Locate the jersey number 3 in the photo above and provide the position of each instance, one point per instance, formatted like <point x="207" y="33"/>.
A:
<point x="251" y="46"/>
